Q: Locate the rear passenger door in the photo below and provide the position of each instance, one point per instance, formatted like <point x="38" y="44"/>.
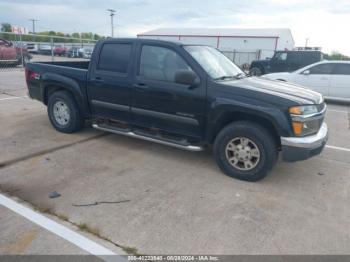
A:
<point x="109" y="83"/>
<point x="340" y="81"/>
<point x="160" y="103"/>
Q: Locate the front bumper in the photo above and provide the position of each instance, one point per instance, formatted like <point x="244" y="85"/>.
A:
<point x="301" y="148"/>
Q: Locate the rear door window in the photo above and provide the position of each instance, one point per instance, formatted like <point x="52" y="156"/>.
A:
<point x="293" y="57"/>
<point x="322" y="69"/>
<point x="341" y="69"/>
<point x="114" y="57"/>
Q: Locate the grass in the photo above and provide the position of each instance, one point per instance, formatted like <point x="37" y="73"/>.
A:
<point x="130" y="250"/>
<point x="85" y="227"/>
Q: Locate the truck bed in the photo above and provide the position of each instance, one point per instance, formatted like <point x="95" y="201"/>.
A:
<point x="58" y="72"/>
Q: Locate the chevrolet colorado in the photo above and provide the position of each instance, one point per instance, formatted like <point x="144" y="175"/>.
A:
<point x="187" y="96"/>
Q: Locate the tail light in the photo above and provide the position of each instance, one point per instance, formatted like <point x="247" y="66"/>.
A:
<point x="31" y="75"/>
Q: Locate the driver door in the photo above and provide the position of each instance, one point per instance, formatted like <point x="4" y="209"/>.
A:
<point x="160" y="103"/>
<point x="279" y="62"/>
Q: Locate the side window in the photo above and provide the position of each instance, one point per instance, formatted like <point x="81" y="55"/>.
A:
<point x="323" y="69"/>
<point x="341" y="69"/>
<point x="159" y="63"/>
<point x="294" y="57"/>
<point x="281" y="56"/>
<point x="114" y="57"/>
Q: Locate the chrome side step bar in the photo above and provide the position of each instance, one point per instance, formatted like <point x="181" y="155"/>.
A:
<point x="159" y="141"/>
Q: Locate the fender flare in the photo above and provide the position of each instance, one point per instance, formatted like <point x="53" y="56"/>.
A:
<point x="227" y="107"/>
<point x="63" y="83"/>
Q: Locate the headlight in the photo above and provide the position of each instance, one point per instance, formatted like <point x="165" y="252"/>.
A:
<point x="303" y="110"/>
<point x="306" y="120"/>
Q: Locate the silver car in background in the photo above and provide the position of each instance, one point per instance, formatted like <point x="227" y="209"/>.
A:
<point x="330" y="78"/>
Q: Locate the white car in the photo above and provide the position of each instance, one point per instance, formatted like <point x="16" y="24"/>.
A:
<point x="330" y="78"/>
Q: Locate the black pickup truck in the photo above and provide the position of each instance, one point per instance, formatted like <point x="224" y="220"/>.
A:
<point x="187" y="96"/>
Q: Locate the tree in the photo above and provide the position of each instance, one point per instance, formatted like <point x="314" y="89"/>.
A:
<point x="6" y="27"/>
<point x="335" y="55"/>
<point x="76" y="35"/>
<point x="86" y="35"/>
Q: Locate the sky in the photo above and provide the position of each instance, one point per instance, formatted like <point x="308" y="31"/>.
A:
<point x="324" y="22"/>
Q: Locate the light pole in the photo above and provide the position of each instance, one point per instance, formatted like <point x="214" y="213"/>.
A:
<point x="112" y="15"/>
<point x="33" y="21"/>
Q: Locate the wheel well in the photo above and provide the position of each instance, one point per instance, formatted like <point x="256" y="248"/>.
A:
<point x="261" y="67"/>
<point x="234" y="117"/>
<point x="49" y="90"/>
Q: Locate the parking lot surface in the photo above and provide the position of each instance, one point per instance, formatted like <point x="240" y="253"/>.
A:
<point x="163" y="200"/>
<point x="21" y="237"/>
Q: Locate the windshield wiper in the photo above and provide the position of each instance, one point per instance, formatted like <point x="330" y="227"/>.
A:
<point x="224" y="77"/>
<point x="237" y="76"/>
<point x="240" y="75"/>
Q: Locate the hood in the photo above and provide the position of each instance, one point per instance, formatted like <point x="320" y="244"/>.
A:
<point x="292" y="92"/>
<point x="277" y="75"/>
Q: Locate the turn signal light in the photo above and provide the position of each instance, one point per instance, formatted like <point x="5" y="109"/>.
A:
<point x="297" y="127"/>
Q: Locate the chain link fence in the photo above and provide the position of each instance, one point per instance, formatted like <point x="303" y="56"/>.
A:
<point x="242" y="58"/>
<point x="18" y="49"/>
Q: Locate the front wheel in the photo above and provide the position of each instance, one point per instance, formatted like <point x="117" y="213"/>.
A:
<point x="245" y="150"/>
<point x="255" y="71"/>
<point x="64" y="113"/>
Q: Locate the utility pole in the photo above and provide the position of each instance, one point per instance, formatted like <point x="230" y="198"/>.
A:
<point x="306" y="42"/>
<point x="112" y="26"/>
<point x="33" y="21"/>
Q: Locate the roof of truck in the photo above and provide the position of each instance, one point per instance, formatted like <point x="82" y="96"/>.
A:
<point x="143" y="40"/>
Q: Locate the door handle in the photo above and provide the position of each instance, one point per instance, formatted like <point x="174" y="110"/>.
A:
<point x="98" y="80"/>
<point x="140" y="86"/>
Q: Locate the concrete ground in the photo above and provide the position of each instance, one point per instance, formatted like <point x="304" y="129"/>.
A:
<point x="21" y="237"/>
<point x="177" y="202"/>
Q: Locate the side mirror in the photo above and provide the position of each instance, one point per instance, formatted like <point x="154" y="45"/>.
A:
<point x="186" y="77"/>
<point x="306" y="72"/>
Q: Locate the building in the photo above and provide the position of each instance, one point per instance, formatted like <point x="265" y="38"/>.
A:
<point x="242" y="45"/>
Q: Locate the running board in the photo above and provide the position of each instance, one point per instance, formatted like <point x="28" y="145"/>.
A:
<point x="147" y="138"/>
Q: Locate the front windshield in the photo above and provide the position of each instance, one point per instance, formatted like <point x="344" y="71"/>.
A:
<point x="214" y="62"/>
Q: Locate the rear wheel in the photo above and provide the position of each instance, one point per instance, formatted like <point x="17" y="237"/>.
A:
<point x="245" y="150"/>
<point x="64" y="113"/>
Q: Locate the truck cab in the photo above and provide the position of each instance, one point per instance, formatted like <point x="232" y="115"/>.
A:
<point x="285" y="61"/>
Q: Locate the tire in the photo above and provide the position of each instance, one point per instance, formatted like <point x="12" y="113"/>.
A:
<point x="255" y="71"/>
<point x="64" y="113"/>
<point x="251" y="162"/>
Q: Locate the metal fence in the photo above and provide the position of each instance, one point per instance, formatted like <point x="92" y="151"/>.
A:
<point x="18" y="49"/>
<point x="242" y="58"/>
